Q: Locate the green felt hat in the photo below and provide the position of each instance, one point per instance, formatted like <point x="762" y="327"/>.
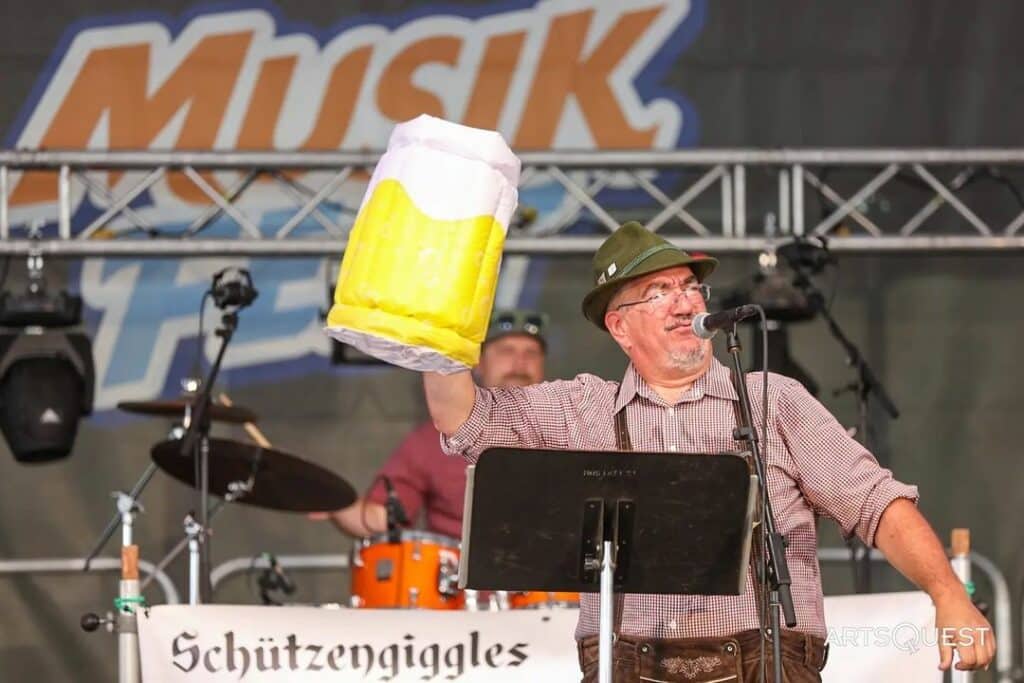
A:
<point x="628" y="253"/>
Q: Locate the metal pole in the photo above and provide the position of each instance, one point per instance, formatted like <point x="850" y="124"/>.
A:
<point x="74" y="565"/>
<point x="127" y="506"/>
<point x="192" y="531"/>
<point x="961" y="563"/>
<point x="607" y="614"/>
<point x="728" y="220"/>
<point x="784" y="197"/>
<point x="798" y="199"/>
<point x="5" y="225"/>
<point x="64" y="202"/>
<point x="128" y="667"/>
<point x="739" y="215"/>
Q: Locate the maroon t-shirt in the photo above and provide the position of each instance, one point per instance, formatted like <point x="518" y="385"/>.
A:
<point x="426" y="480"/>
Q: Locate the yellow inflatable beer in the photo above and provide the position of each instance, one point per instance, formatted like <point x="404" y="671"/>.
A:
<point x="419" y="275"/>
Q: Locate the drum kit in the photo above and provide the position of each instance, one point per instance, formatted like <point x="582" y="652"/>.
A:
<point x="405" y="569"/>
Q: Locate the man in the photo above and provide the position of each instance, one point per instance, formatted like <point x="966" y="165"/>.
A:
<point x="676" y="396"/>
<point x="424" y="478"/>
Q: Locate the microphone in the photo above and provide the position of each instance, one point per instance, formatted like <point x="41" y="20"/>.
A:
<point x="395" y="511"/>
<point x="705" y="325"/>
<point x="232" y="288"/>
<point x="278" y="575"/>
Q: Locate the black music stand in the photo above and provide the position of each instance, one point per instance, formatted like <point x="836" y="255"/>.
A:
<point x="607" y="521"/>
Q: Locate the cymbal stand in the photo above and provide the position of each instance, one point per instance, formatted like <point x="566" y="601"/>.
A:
<point x="195" y="534"/>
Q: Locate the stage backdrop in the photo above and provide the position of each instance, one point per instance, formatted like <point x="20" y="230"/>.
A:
<point x="572" y="74"/>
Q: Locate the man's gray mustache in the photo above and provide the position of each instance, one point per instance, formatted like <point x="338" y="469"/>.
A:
<point x="678" y="323"/>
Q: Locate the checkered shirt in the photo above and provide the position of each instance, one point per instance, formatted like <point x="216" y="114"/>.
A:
<point x="813" y="468"/>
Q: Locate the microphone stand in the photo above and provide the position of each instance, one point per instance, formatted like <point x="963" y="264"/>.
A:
<point x="866" y="385"/>
<point x="196" y="443"/>
<point x="396" y="517"/>
<point x="773" y="573"/>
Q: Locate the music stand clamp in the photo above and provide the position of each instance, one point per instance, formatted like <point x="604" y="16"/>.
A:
<point x="607" y="521"/>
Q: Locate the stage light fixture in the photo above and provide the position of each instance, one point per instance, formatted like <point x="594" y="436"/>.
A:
<point x="47" y="376"/>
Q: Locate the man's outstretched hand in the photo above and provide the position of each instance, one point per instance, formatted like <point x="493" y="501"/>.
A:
<point x="963" y="628"/>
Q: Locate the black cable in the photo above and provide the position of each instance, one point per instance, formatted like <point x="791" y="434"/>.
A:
<point x="835" y="286"/>
<point x="198" y="362"/>
<point x="764" y="435"/>
<point x="197" y="371"/>
<point x="764" y="374"/>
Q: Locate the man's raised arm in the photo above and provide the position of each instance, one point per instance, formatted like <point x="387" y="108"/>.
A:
<point x="450" y="399"/>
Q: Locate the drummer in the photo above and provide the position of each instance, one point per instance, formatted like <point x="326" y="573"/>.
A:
<point x="425" y="479"/>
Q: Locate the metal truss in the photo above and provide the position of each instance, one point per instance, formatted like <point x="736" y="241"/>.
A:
<point x="724" y="200"/>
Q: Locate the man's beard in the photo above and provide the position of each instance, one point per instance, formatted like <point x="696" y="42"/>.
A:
<point x="688" y="360"/>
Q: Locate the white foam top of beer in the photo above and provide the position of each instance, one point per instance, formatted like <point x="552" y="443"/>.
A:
<point x="451" y="171"/>
<point x="487" y="146"/>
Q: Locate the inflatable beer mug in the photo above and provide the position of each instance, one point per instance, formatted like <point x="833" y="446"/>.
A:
<point x="419" y="275"/>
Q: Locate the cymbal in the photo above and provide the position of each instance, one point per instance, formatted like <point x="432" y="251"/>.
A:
<point x="279" y="481"/>
<point x="176" y="406"/>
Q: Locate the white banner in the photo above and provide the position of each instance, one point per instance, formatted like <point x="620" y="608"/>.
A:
<point x="300" y="644"/>
<point x="881" y="637"/>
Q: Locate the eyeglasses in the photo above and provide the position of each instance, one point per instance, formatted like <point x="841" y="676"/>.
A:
<point x="665" y="294"/>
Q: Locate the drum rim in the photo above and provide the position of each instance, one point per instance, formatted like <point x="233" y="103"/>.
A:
<point x="411" y="535"/>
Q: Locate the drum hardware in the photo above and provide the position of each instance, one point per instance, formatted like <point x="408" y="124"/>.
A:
<point x="258" y="476"/>
<point x="383" y="569"/>
<point x="419" y="571"/>
<point x="251" y="474"/>
<point x="448" y="577"/>
<point x="183" y="405"/>
<point x="273" y="578"/>
<point x="194" y="536"/>
<point x="193" y="531"/>
<point x="396" y="515"/>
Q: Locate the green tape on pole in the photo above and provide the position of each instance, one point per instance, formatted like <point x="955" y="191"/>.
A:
<point x="128" y="604"/>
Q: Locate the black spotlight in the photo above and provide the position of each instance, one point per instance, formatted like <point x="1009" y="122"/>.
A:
<point x="784" y="304"/>
<point x="46" y="371"/>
